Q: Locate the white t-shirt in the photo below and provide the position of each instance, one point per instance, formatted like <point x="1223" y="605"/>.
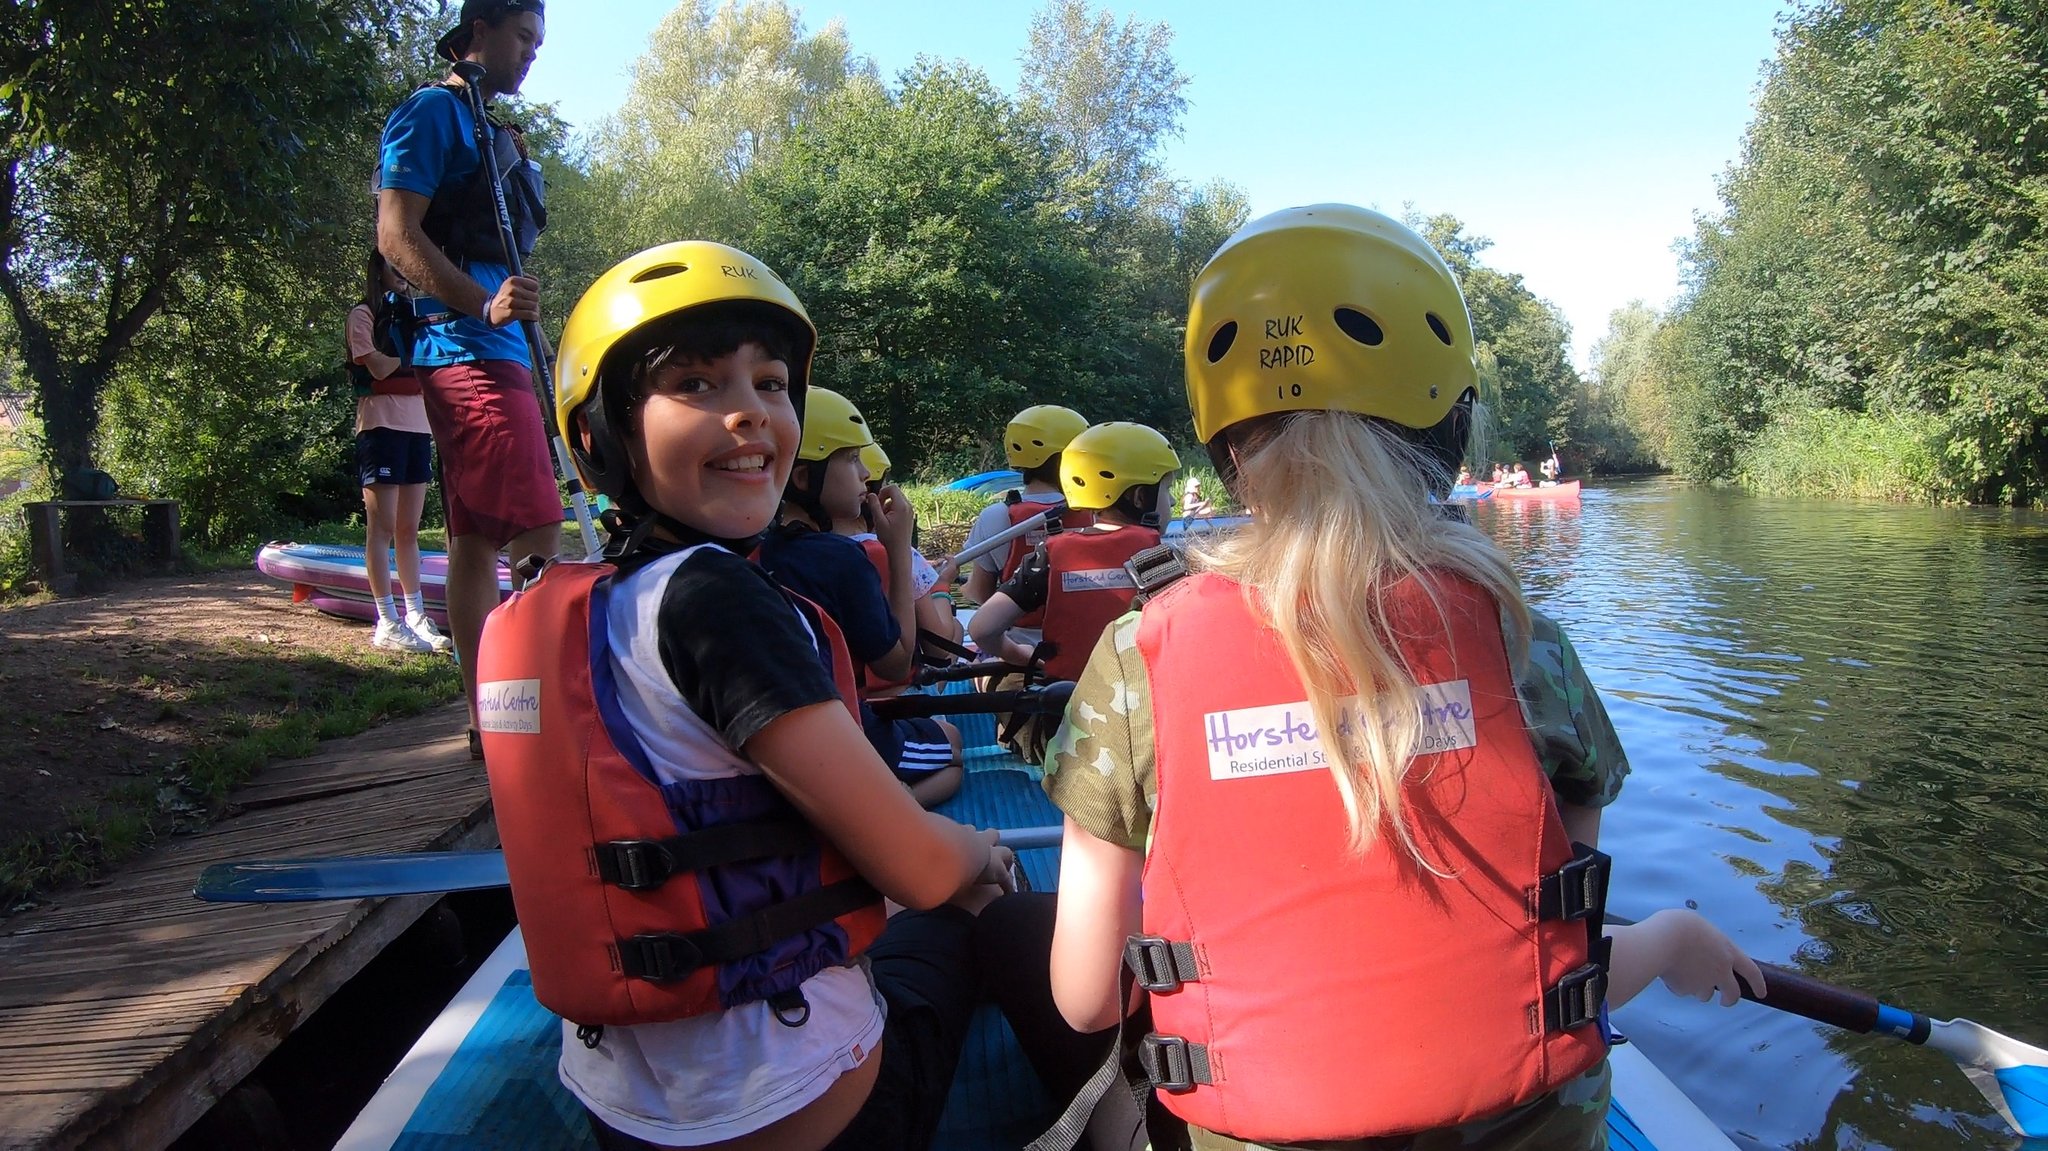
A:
<point x="719" y="1076"/>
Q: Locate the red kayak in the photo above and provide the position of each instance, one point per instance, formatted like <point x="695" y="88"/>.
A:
<point x="1568" y="490"/>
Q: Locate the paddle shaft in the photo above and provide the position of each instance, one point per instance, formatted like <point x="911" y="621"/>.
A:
<point x="1802" y="995"/>
<point x="974" y="552"/>
<point x="472" y="75"/>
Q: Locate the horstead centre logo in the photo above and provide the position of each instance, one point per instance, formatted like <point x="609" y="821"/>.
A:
<point x="1282" y="738"/>
<point x="509" y="705"/>
<point x="1097" y="579"/>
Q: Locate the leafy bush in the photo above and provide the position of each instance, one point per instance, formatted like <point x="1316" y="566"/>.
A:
<point x="1826" y="452"/>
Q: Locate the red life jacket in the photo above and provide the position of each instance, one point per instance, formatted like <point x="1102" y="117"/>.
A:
<point x="1086" y="587"/>
<point x="1302" y="992"/>
<point x="872" y="685"/>
<point x="641" y="901"/>
<point x="1058" y="518"/>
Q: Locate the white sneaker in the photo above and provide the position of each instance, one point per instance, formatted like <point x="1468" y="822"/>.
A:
<point x="394" y="636"/>
<point x="423" y="627"/>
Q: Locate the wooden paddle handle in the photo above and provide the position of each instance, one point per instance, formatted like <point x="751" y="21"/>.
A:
<point x="1788" y="990"/>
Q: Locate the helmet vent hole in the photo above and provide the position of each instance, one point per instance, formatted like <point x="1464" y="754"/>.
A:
<point x="660" y="271"/>
<point x="1360" y="327"/>
<point x="1107" y="475"/>
<point x="1221" y="341"/>
<point x="1442" y="333"/>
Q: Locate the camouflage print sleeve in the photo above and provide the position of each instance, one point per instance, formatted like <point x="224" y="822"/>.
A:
<point x="1575" y="741"/>
<point x="1100" y="768"/>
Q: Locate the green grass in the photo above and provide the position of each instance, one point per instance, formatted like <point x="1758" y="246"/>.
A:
<point x="283" y="707"/>
<point x="1853" y="455"/>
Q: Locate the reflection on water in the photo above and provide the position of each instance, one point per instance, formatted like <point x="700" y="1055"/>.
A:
<point x="1835" y="716"/>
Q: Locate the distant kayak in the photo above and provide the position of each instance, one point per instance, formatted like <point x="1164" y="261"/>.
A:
<point x="1568" y="490"/>
<point x="334" y="578"/>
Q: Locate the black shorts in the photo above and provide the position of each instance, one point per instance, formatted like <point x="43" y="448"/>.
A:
<point x="923" y="966"/>
<point x="389" y="456"/>
<point x="926" y="748"/>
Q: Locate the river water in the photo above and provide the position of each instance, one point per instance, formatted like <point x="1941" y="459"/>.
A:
<point x="1835" y="714"/>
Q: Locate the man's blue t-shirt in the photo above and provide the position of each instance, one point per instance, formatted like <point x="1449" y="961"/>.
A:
<point x="430" y="144"/>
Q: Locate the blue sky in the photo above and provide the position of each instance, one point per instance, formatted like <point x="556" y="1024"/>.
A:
<point x="1582" y="138"/>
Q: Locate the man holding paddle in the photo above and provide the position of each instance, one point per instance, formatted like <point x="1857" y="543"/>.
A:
<point x="439" y="224"/>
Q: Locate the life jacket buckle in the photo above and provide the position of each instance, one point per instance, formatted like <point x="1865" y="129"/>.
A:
<point x="660" y="958"/>
<point x="1578" y="890"/>
<point x="1576" y="1000"/>
<point x="1160" y="965"/>
<point x="1154" y="569"/>
<point x="1172" y="1063"/>
<point x="635" y="864"/>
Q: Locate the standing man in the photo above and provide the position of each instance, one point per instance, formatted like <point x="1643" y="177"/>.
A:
<point x="437" y="224"/>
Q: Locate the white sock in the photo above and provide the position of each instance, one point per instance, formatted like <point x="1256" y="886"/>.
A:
<point x="387" y="610"/>
<point x="415" y="604"/>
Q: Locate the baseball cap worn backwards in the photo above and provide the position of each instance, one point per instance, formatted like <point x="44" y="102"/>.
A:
<point x="455" y="41"/>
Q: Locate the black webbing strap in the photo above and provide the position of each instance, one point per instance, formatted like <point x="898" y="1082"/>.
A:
<point x="957" y="671"/>
<point x="948" y="651"/>
<point x="1154" y="569"/>
<point x="1128" y="1055"/>
<point x="1160" y="965"/>
<point x="658" y="958"/>
<point x="1050" y="700"/>
<point x="1578" y="890"/>
<point x="643" y="864"/>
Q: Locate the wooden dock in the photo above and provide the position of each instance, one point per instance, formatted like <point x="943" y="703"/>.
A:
<point x="128" y="1008"/>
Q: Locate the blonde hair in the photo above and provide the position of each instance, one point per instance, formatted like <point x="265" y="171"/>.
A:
<point x="1341" y="516"/>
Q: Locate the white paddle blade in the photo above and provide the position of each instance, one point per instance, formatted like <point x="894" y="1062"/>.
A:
<point x="2012" y="1076"/>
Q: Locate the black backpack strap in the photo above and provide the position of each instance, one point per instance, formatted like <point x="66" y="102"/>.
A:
<point x="1155" y="569"/>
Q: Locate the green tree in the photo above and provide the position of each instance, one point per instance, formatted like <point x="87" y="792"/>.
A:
<point x="141" y="142"/>
<point x="718" y="90"/>
<point x="922" y="232"/>
<point x="1623" y="414"/>
<point x="1525" y="372"/>
<point x="1110" y="95"/>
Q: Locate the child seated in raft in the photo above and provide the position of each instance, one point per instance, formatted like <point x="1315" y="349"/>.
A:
<point x="1321" y="777"/>
<point x="1121" y="472"/>
<point x="686" y="412"/>
<point x="828" y="486"/>
<point x="1031" y="444"/>
<point x="932" y="585"/>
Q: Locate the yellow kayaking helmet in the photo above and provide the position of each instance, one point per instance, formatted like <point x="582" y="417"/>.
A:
<point x="1037" y="432"/>
<point x="1327" y="307"/>
<point x="627" y="312"/>
<point x="876" y="461"/>
<point x="831" y="423"/>
<point x="1098" y="466"/>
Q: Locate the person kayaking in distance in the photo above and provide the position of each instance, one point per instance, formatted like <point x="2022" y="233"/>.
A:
<point x="1334" y="797"/>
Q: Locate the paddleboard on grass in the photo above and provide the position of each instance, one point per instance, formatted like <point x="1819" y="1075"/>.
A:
<point x="335" y="578"/>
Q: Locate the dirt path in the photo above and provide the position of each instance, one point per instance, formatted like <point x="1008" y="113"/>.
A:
<point x="101" y="697"/>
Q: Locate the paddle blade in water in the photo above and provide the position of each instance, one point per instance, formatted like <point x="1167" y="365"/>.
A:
<point x="2012" y="1076"/>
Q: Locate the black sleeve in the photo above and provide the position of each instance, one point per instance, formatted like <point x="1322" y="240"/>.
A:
<point x="736" y="648"/>
<point x="1028" y="588"/>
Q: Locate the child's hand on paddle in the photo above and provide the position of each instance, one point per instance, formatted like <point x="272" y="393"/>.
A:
<point x="1702" y="961"/>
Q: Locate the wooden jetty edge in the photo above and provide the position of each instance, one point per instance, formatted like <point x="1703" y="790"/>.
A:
<point x="127" y="1009"/>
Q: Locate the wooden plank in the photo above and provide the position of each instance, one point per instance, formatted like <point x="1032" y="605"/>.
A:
<point x="130" y="1009"/>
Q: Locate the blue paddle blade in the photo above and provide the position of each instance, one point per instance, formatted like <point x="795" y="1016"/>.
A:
<point x="350" y="877"/>
<point x="2025" y="1091"/>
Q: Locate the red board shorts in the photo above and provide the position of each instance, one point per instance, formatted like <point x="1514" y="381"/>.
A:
<point x="496" y="477"/>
